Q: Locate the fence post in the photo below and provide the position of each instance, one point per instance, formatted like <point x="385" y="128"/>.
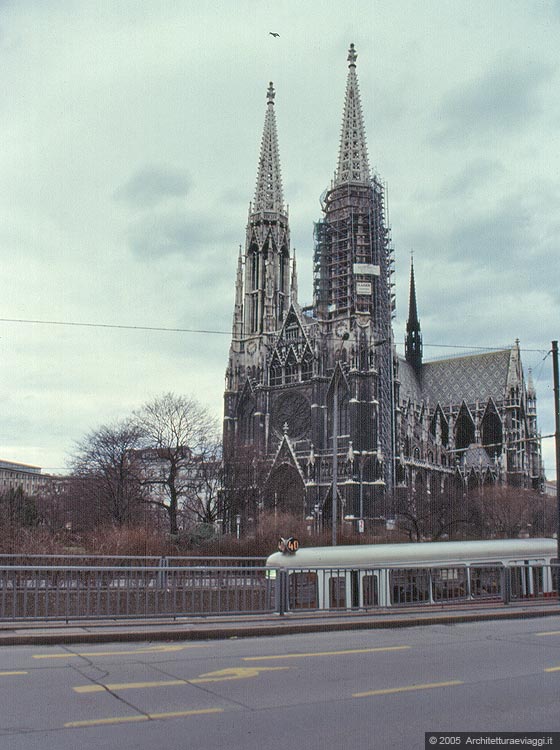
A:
<point x="281" y="591"/>
<point x="506" y="585"/>
<point x="162" y="573"/>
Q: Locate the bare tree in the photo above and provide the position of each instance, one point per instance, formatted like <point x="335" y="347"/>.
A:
<point x="509" y="511"/>
<point x="107" y="467"/>
<point x="201" y="494"/>
<point x="175" y="432"/>
<point x="17" y="509"/>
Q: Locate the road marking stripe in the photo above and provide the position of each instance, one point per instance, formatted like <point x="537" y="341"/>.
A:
<point x="327" y="653"/>
<point x="551" y="632"/>
<point x="407" y="688"/>
<point x="221" y="676"/>
<point x="7" y="674"/>
<point x="127" y="686"/>
<point x="143" y="717"/>
<point x="552" y="669"/>
<point x="151" y="650"/>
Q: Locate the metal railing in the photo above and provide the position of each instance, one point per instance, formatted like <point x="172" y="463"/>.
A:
<point x="346" y="589"/>
<point x="76" y="592"/>
<point x="129" y="560"/>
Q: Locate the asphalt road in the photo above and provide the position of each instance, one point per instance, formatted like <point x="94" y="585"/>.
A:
<point x="364" y="689"/>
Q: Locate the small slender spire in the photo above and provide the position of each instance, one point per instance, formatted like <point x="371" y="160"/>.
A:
<point x="239" y="279"/>
<point x="353" y="162"/>
<point x="268" y="193"/>
<point x="412" y="307"/>
<point x="413" y="341"/>
<point x="294" y="284"/>
<point x="238" y="309"/>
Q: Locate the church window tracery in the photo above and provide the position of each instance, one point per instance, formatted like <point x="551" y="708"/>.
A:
<point x="275" y="371"/>
<point x="464" y="430"/>
<point x="291" y="369"/>
<point x="307" y="366"/>
<point x="491" y="433"/>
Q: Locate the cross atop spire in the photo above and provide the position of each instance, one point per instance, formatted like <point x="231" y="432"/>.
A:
<point x="353" y="162"/>
<point x="268" y="193"/>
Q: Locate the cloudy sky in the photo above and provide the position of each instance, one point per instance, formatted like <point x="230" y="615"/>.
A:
<point x="129" y="139"/>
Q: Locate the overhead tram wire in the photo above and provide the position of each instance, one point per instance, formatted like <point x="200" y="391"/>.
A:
<point x="112" y="325"/>
<point x="167" y="329"/>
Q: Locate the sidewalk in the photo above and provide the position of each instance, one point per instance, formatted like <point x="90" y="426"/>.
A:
<point x="248" y="626"/>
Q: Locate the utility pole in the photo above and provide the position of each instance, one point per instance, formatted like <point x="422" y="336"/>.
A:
<point x="335" y="463"/>
<point x="557" y="442"/>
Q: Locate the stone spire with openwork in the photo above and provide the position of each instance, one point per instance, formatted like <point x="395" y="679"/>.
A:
<point x="353" y="162"/>
<point x="267" y="244"/>
<point x="268" y="193"/>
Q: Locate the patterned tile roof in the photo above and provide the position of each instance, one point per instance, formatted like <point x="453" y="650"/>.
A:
<point x="475" y="377"/>
<point x="410" y="388"/>
<point x="471" y="378"/>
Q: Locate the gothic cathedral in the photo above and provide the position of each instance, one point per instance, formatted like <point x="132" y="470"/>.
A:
<point x="319" y="410"/>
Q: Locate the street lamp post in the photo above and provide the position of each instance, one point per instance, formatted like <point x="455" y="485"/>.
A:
<point x="335" y="465"/>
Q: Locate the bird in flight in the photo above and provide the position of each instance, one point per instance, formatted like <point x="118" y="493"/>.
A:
<point x="273" y="33"/>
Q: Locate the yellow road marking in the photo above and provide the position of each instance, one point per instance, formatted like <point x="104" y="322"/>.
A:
<point x="327" y="653"/>
<point x="223" y="675"/>
<point x="7" y="674"/>
<point x="127" y="686"/>
<point x="143" y="717"/>
<point x="151" y="650"/>
<point x="551" y="632"/>
<point x="407" y="688"/>
<point x="552" y="669"/>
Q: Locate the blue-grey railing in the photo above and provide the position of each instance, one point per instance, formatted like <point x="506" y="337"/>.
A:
<point x="76" y="592"/>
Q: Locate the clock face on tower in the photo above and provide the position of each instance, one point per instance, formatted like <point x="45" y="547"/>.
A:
<point x="291" y="413"/>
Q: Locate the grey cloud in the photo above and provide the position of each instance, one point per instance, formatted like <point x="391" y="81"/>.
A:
<point x="476" y="174"/>
<point x="500" y="101"/>
<point x="498" y="237"/>
<point x="165" y="233"/>
<point x="153" y="184"/>
<point x="172" y="232"/>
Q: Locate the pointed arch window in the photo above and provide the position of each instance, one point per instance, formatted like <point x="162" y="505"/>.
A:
<point x="307" y="366"/>
<point x="491" y="433"/>
<point x="291" y="369"/>
<point x="464" y="429"/>
<point x="276" y="371"/>
<point x="246" y="424"/>
<point x="255" y="267"/>
<point x="284" y="267"/>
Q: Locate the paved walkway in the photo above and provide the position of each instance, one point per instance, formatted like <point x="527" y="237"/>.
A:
<point x="245" y="626"/>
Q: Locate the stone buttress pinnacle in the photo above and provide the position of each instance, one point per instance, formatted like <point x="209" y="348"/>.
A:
<point x="353" y="162"/>
<point x="268" y="193"/>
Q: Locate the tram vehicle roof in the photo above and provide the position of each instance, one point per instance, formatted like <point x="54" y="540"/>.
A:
<point x="417" y="553"/>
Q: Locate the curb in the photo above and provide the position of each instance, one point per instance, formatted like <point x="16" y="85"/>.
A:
<point x="248" y="630"/>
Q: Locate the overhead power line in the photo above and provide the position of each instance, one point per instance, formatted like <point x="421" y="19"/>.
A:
<point x="110" y="325"/>
<point x="167" y="329"/>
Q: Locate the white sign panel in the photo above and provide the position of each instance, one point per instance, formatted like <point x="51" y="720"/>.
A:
<point x="366" y="269"/>
<point x="363" y="287"/>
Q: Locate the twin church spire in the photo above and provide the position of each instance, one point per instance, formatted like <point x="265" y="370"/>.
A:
<point x="266" y="277"/>
<point x="353" y="162"/>
<point x="268" y="193"/>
